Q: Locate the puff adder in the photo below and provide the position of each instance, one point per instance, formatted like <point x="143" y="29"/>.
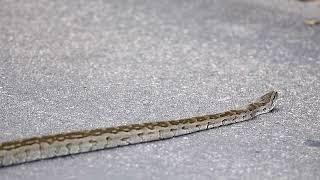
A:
<point x="44" y="147"/>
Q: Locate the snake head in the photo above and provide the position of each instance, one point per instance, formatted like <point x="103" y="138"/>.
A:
<point x="269" y="100"/>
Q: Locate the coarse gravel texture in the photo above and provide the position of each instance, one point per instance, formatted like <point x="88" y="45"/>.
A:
<point x="69" y="65"/>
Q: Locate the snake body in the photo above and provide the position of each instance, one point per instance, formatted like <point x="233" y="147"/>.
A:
<point x="44" y="147"/>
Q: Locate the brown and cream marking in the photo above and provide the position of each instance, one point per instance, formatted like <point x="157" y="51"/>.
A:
<point x="36" y="148"/>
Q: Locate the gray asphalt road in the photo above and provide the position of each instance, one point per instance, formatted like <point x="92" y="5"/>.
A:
<point x="71" y="65"/>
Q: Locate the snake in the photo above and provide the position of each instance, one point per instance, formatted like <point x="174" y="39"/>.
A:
<point x="57" y="145"/>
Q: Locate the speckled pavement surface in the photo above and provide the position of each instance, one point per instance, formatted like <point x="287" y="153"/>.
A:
<point x="71" y="65"/>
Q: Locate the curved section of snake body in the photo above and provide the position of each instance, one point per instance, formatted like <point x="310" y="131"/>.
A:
<point x="36" y="148"/>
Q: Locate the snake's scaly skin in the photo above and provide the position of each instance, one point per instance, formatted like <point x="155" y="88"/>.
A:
<point x="36" y="148"/>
